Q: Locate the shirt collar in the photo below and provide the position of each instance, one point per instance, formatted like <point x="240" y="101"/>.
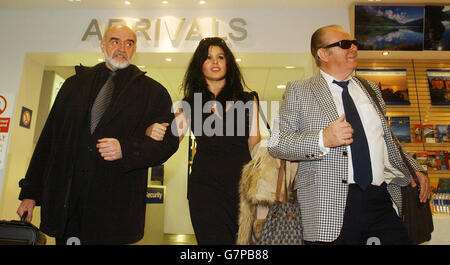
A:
<point x="329" y="79"/>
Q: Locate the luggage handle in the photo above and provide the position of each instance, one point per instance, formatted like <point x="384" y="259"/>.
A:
<point x="24" y="216"/>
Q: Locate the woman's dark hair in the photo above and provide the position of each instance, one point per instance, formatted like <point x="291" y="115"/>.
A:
<point x="194" y="79"/>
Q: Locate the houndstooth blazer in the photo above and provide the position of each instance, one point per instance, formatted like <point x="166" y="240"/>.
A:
<point x="321" y="182"/>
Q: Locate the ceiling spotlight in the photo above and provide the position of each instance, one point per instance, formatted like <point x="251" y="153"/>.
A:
<point x="238" y="59"/>
<point x="202" y="2"/>
<point x="165" y="2"/>
<point x="281" y="86"/>
<point x="289" y="67"/>
<point x="127" y="2"/>
<point x="168" y="59"/>
<point x="141" y="66"/>
<point x="100" y="60"/>
<point x="385" y="53"/>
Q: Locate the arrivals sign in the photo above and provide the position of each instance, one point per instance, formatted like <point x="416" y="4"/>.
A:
<point x="175" y="29"/>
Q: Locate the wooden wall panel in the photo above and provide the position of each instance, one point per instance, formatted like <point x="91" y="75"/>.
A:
<point x="420" y="110"/>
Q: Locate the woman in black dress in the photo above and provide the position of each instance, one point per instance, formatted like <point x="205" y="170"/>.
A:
<point x="224" y="121"/>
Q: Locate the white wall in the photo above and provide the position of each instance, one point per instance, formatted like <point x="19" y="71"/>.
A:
<point x="280" y="30"/>
<point x="21" y="139"/>
<point x="176" y="215"/>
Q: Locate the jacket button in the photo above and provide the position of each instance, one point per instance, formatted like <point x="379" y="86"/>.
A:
<point x="89" y="149"/>
<point x="307" y="156"/>
<point x="345" y="153"/>
<point x="344" y="181"/>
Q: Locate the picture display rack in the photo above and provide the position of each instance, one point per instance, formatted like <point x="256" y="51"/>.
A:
<point x="420" y="111"/>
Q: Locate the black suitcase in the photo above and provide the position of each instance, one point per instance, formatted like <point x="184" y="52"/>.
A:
<point x="20" y="233"/>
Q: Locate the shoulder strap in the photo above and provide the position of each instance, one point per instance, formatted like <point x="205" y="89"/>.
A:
<point x="371" y="92"/>
<point x="377" y="103"/>
<point x="281" y="177"/>
<point x="263" y="117"/>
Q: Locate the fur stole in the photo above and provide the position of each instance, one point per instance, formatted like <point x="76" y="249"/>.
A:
<point x="257" y="189"/>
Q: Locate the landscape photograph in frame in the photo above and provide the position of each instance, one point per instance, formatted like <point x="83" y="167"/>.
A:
<point x="437" y="28"/>
<point x="389" y="27"/>
<point x="439" y="85"/>
<point x="392" y="82"/>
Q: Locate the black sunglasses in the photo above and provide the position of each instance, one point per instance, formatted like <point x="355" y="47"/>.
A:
<point x="344" y="44"/>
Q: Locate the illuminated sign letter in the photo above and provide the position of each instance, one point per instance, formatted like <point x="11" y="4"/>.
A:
<point x="194" y="30"/>
<point x="95" y="32"/>
<point x="242" y="30"/>
<point x="142" y="25"/>
<point x="177" y="32"/>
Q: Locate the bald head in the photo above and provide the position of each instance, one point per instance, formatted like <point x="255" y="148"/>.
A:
<point x="319" y="40"/>
<point x="119" y="27"/>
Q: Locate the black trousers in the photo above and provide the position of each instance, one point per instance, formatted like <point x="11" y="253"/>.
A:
<point x="369" y="218"/>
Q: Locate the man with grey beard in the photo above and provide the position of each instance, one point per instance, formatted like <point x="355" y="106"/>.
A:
<point x="89" y="169"/>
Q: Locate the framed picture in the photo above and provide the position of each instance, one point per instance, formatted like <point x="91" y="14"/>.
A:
<point x="437" y="28"/>
<point x="439" y="85"/>
<point x="400" y="127"/>
<point x="25" y="118"/>
<point x="389" y="27"/>
<point x="392" y="82"/>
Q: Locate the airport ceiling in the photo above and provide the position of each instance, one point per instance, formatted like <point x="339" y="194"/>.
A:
<point x="216" y="4"/>
<point x="266" y="74"/>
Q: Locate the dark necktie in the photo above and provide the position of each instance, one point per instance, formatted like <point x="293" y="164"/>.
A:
<point x="362" y="168"/>
<point x="102" y="101"/>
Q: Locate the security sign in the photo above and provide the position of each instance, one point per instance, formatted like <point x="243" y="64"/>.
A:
<point x="25" y="118"/>
<point x="155" y="194"/>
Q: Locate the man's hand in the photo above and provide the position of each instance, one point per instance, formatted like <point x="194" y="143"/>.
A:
<point x="156" y="131"/>
<point x="425" y="189"/>
<point x="338" y="133"/>
<point x="27" y="205"/>
<point x="109" y="149"/>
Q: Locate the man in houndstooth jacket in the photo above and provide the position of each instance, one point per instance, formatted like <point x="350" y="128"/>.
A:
<point x="313" y="129"/>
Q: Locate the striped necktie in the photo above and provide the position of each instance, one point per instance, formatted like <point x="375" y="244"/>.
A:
<point x="102" y="102"/>
<point x="362" y="167"/>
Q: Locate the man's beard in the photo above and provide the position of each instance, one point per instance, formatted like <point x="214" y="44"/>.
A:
<point x="115" y="64"/>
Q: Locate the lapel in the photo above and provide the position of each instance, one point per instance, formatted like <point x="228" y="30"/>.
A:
<point x="323" y="96"/>
<point x="393" y="151"/>
<point x="87" y="76"/>
<point x="122" y="99"/>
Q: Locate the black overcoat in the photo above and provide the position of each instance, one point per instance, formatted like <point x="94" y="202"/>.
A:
<point x="116" y="196"/>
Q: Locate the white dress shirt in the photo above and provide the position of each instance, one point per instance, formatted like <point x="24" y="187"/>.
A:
<point x="372" y="128"/>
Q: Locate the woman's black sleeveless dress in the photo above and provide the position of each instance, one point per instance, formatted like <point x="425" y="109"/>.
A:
<point x="214" y="181"/>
